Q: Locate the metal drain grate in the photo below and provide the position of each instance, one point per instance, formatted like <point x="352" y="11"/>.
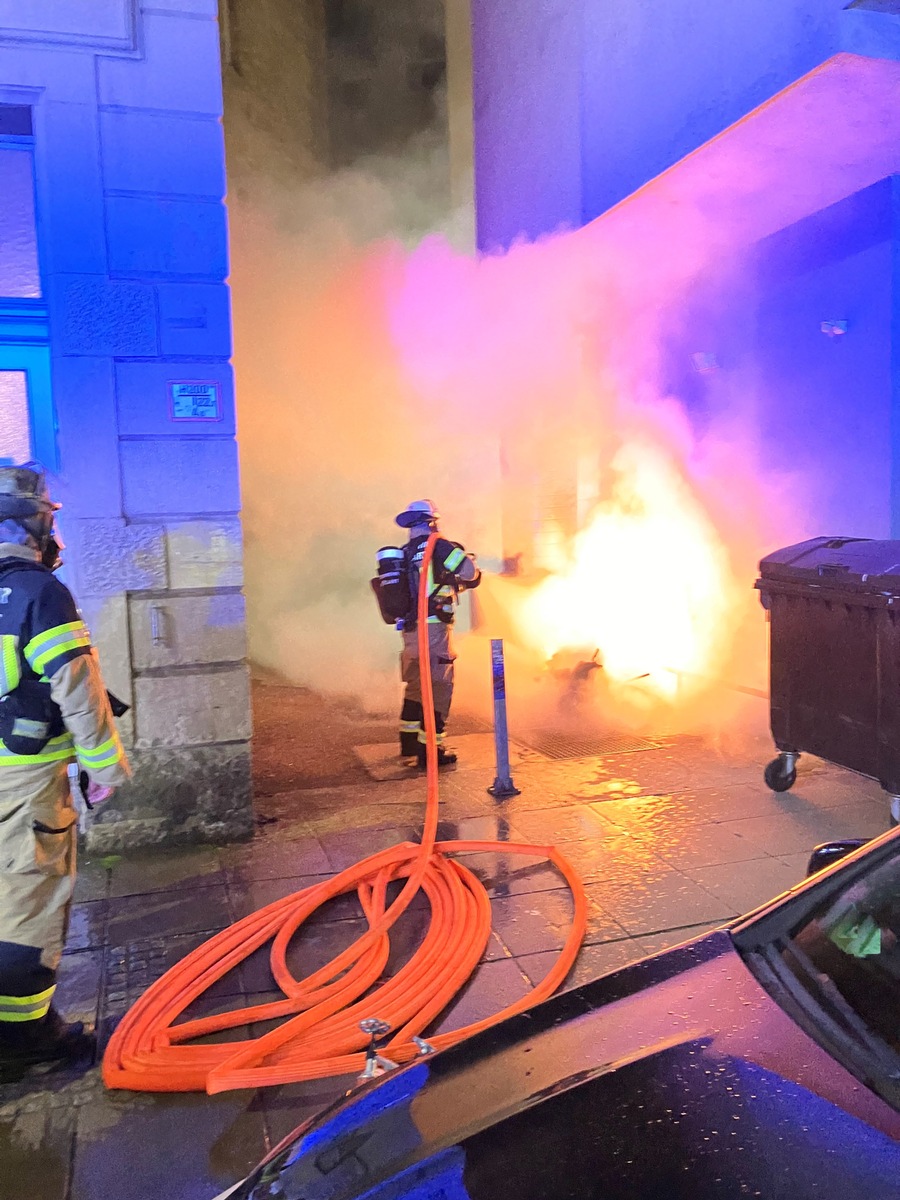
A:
<point x="564" y="745"/>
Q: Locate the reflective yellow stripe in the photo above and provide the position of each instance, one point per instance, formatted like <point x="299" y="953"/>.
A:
<point x="440" y="738"/>
<point x="58" y="749"/>
<point x="95" y="761"/>
<point x="10" y="670"/>
<point x="40" y="663"/>
<point x="453" y="559"/>
<point x="26" y="1008"/>
<point x="47" y="645"/>
<point x="99" y="752"/>
<point x="27" y="1001"/>
<point x="99" y="764"/>
<point x="22" y="727"/>
<point x="40" y="640"/>
<point x="409" y="726"/>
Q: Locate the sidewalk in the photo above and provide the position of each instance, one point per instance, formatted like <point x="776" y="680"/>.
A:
<point x="670" y="840"/>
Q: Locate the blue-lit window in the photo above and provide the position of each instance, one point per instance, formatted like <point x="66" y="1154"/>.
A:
<point x="27" y="420"/>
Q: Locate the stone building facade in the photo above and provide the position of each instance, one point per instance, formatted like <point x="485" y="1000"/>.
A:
<point x="115" y="340"/>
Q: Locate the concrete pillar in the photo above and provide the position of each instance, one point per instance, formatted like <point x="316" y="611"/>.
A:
<point x="460" y="118"/>
<point x="527" y="102"/>
<point x="132" y="242"/>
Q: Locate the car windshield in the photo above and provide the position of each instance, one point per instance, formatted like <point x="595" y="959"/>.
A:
<point x="836" y="968"/>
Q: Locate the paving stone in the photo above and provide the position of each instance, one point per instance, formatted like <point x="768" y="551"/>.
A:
<point x="311" y="949"/>
<point x="92" y="881"/>
<point x="618" y="855"/>
<point x="137" y="918"/>
<point x="745" y="890"/>
<point x="508" y="874"/>
<point x="367" y="816"/>
<point x="593" y="961"/>
<point x="79" y="981"/>
<point x="405" y="938"/>
<point x="496" y="948"/>
<point x="276" y="857"/>
<point x="601" y="958"/>
<point x="250" y="895"/>
<point x="657" y="813"/>
<point x="794" y="832"/>
<point x="178" y="1146"/>
<point x="493" y="987"/>
<point x="131" y="969"/>
<point x="35" y="1154"/>
<point x="494" y="827"/>
<point x="181" y="868"/>
<point x="87" y="925"/>
<point x="542" y="920"/>
<point x="703" y="846"/>
<point x="580" y="822"/>
<point x="286" y="1107"/>
<point x="663" y="899"/>
<point x="349" y="847"/>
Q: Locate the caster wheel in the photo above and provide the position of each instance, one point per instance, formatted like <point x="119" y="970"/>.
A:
<point x="777" y="778"/>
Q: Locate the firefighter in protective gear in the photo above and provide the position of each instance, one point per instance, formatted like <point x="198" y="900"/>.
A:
<point x="452" y="570"/>
<point x="54" y="711"/>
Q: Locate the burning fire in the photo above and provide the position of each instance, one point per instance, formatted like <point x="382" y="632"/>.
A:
<point x="648" y="582"/>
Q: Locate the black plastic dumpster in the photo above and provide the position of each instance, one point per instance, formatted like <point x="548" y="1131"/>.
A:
<point x="834" y="657"/>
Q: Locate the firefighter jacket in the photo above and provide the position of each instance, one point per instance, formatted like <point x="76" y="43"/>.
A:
<point x="53" y="704"/>
<point x="444" y="582"/>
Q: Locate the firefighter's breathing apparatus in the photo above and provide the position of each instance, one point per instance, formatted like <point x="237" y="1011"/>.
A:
<point x="396" y="585"/>
<point x="339" y="1019"/>
<point x="396" y="588"/>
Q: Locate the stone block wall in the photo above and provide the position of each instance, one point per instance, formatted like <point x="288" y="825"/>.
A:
<point x="132" y="239"/>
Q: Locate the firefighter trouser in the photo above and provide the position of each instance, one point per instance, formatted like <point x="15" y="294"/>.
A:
<point x="441" y="656"/>
<point x="37" y="875"/>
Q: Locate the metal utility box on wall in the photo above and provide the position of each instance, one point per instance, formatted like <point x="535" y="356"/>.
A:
<point x="834" y="609"/>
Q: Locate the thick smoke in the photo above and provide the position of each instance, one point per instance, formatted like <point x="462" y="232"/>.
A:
<point x="525" y="393"/>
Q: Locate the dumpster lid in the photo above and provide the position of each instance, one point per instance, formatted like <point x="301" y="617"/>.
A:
<point x="860" y="564"/>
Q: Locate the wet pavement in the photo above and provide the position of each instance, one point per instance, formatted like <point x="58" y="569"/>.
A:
<point x="670" y="841"/>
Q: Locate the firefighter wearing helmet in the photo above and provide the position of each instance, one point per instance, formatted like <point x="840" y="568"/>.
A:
<point x="54" y="711"/>
<point x="452" y="570"/>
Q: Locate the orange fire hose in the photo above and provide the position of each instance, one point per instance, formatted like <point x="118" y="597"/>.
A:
<point x="321" y="1035"/>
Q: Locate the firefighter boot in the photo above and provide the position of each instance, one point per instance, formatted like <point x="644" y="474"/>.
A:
<point x="49" y="1040"/>
<point x="445" y="758"/>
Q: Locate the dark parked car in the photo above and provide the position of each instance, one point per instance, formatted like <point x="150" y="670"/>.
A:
<point x="758" y="1060"/>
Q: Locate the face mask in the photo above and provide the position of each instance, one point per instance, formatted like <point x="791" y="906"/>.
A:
<point x="50" y="555"/>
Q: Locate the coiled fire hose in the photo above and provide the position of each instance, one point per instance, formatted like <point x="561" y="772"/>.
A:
<point x="319" y="1035"/>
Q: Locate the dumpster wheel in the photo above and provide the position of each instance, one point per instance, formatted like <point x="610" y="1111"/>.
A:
<point x="781" y="773"/>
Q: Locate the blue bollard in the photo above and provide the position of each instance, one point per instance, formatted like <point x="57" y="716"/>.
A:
<point x="503" y="784"/>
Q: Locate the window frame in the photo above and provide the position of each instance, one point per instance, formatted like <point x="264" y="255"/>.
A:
<point x="25" y="334"/>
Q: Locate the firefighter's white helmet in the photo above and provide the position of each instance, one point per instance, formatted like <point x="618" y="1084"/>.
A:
<point x="419" y="512"/>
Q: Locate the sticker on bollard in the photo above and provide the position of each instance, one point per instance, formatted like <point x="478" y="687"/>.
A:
<point x="503" y="784"/>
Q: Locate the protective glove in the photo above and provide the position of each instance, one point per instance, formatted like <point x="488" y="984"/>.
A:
<point x="94" y="793"/>
<point x="97" y="793"/>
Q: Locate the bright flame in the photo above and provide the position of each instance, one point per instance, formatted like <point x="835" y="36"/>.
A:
<point x="648" y="582"/>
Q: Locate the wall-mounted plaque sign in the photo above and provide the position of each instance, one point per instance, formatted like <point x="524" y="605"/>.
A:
<point x="195" y="400"/>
